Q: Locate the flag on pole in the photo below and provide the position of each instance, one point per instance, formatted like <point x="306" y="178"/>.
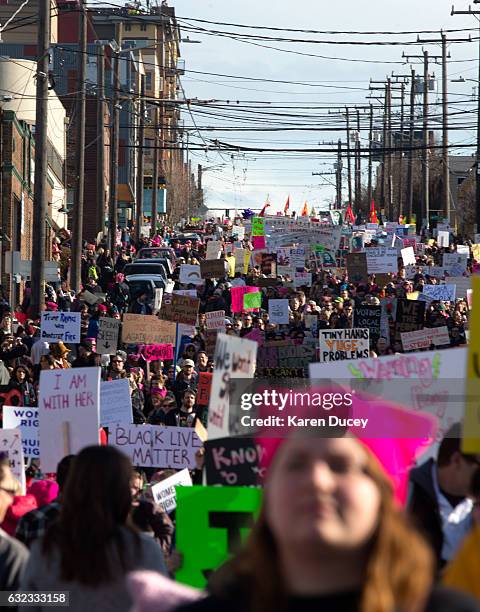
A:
<point x="304" y="212"/>
<point x="267" y="204"/>
<point x="349" y="216"/>
<point x="373" y="214"/>
<point x="287" y="206"/>
<point x="313" y="212"/>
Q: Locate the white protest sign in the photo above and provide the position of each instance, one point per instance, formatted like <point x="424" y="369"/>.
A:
<point x="382" y="260"/>
<point x="60" y="326"/>
<point x="156" y="446"/>
<point x="189" y="292"/>
<point x="238" y="231"/>
<point x="444" y="293"/>
<point x="408" y="256"/>
<point x="190" y="275"/>
<point x="443" y="238"/>
<point x="302" y="278"/>
<point x="107" y="339"/>
<point x="164" y="493"/>
<point x="344" y="344"/>
<point x="464" y="249"/>
<point x="26" y="420"/>
<point x="240" y="255"/>
<point x="11" y="446"/>
<point x="297" y="257"/>
<point x="68" y="413"/>
<point x="424" y="338"/>
<point x="278" y="311"/>
<point x="215" y="319"/>
<point x="157" y="299"/>
<point x="435" y="271"/>
<point x="233" y="358"/>
<point x="214" y="248"/>
<point x="455" y="263"/>
<point x="115" y="402"/>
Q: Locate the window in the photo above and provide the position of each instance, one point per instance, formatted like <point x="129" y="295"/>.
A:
<point x="148" y="80"/>
<point x="128" y="27"/>
<point x="143" y="27"/>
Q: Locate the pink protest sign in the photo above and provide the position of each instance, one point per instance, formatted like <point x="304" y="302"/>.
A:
<point x="259" y="242"/>
<point x="152" y="352"/>
<point x="237" y="294"/>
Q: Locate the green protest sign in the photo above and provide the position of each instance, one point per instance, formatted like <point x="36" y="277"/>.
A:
<point x="258" y="226"/>
<point x="211" y="523"/>
<point x="252" y="300"/>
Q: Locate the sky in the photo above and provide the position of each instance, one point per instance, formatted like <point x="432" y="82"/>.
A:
<point x="239" y="180"/>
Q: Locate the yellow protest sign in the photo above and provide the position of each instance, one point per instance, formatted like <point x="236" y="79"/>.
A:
<point x="471" y="417"/>
<point x="413" y="295"/>
<point x="248" y="254"/>
<point x="231" y="263"/>
<point x="476" y="251"/>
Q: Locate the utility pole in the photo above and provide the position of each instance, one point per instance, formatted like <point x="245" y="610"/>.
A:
<point x="339" y="175"/>
<point x="153" y="228"/>
<point x="425" y="157"/>
<point x="358" y="167"/>
<point x="389" y="154"/>
<point x="400" y="162"/>
<point x="101" y="138"/>
<point x="411" y="140"/>
<point x="77" y="228"/>
<point x="140" y="162"/>
<point x="349" y="166"/>
<point x="370" y="154"/>
<point x="159" y="120"/>
<point x="41" y="163"/>
<point x="114" y="148"/>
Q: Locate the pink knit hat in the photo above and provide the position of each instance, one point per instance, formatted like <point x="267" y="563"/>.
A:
<point x="44" y="491"/>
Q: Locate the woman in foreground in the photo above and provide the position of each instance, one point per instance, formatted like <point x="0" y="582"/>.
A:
<point x="329" y="538"/>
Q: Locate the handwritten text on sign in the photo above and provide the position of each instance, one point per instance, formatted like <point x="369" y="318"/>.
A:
<point x="344" y="344"/>
<point x="153" y="352"/>
<point x="61" y="326"/>
<point x="156" y="446"/>
<point x="26" y="420"/>
<point x="147" y="329"/>
<point x="107" y="339"/>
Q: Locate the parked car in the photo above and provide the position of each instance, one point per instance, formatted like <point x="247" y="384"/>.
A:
<point x="146" y="267"/>
<point x="144" y="283"/>
<point x="157" y="252"/>
<point x="165" y="261"/>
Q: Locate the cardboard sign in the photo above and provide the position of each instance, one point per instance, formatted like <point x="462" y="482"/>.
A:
<point x="60" y="326"/>
<point x="424" y="338"/>
<point x="258" y="226"/>
<point x="211" y="524"/>
<point x="410" y="316"/>
<point x="107" y="339"/>
<point x="445" y="293"/>
<point x="234" y="462"/>
<point x="278" y="311"/>
<point x="357" y="267"/>
<point x="181" y="309"/>
<point x="164" y="492"/>
<point x="213" y="268"/>
<point x="283" y="357"/>
<point x="11" y="445"/>
<point x="157" y="447"/>
<point x="237" y="294"/>
<point x="471" y="419"/>
<point x="382" y="260"/>
<point x="344" y="344"/>
<point x="240" y="256"/>
<point x="408" y="256"/>
<point x="156" y="352"/>
<point x="190" y="275"/>
<point x="68" y="412"/>
<point x="215" y="319"/>
<point x="369" y="317"/>
<point x="252" y="301"/>
<point x="234" y="358"/>
<point x="204" y="388"/>
<point x="115" y="402"/>
<point x="214" y="248"/>
<point x="147" y="329"/>
<point x="25" y="420"/>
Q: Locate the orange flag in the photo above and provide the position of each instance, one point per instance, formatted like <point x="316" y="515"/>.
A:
<point x="304" y="212"/>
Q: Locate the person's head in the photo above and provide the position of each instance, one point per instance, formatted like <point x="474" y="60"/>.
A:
<point x="455" y="468"/>
<point x="85" y="348"/>
<point x="330" y="502"/>
<point x="47" y="362"/>
<point x="189" y="399"/>
<point x="8" y="488"/>
<point x="187" y="367"/>
<point x="117" y="363"/>
<point x="137" y="483"/>
<point x="96" y="504"/>
<point x="21" y="374"/>
<point x="169" y="403"/>
<point x="190" y="351"/>
<point x="382" y="344"/>
<point x="202" y="359"/>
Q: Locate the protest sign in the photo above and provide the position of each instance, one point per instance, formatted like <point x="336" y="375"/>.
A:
<point x="268" y="281"/>
<point x="147" y="329"/>
<point x="240" y="257"/>
<point x="408" y="256"/>
<point x="283" y="256"/>
<point x="11" y="446"/>
<point x="302" y="279"/>
<point x="368" y="317"/>
<point x="443" y="238"/>
<point x="464" y="249"/>
<point x="284" y="359"/>
<point x="234" y="358"/>
<point x="252" y="301"/>
<point x="181" y="309"/>
<point x="238" y="231"/>
<point x="115" y="402"/>
<point x="157" y="299"/>
<point x="258" y="242"/>
<point x="268" y="265"/>
<point x="425" y="338"/>
<point x="26" y="420"/>
<point x="155" y="446"/>
<point x="156" y="352"/>
<point x="68" y="413"/>
<point x="214" y="248"/>
<point x="88" y="297"/>
<point x="60" y="326"/>
<point x="204" y="388"/>
<point x="188" y="292"/>
<point x="211" y="523"/>
<point x="342" y="344"/>
<point x="107" y="339"/>
<point x="278" y="311"/>
<point x="215" y="319"/>
<point x="476" y="252"/>
<point x="410" y="316"/>
<point x="190" y="275"/>
<point x="382" y="260"/>
<point x="237" y="294"/>
<point x="258" y="226"/>
<point x="439" y="292"/>
<point x="311" y="322"/>
<point x="213" y="268"/>
<point x="455" y="264"/>
<point x="471" y="419"/>
<point x="297" y="257"/>
<point x="210" y="341"/>
<point x="357" y="267"/>
<point x="234" y="462"/>
<point x="164" y="492"/>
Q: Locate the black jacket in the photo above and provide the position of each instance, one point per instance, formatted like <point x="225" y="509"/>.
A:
<point x="423" y="506"/>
